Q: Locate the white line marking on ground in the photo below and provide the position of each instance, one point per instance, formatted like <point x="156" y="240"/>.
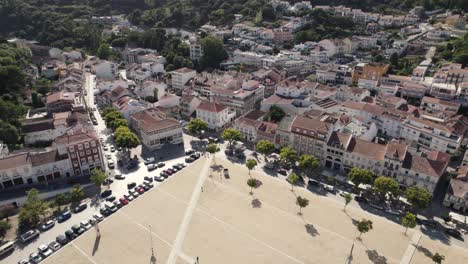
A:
<point x="176" y="248"/>
<point x="83" y="253"/>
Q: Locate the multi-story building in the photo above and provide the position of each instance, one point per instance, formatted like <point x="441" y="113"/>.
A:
<point x="64" y="102"/>
<point x="240" y="100"/>
<point x="434" y="105"/>
<point x="369" y="71"/>
<point x="84" y="151"/>
<point x="196" y="51"/>
<point x="188" y="105"/>
<point x="309" y="136"/>
<point x="456" y="196"/>
<point x="156" y="129"/>
<point x="180" y="77"/>
<point x="248" y="124"/>
<point x="282" y="35"/>
<point x="216" y="115"/>
<point x="463" y="94"/>
<point x="430" y="135"/>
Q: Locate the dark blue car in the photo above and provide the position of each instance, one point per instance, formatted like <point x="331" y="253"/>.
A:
<point x="64" y="217"/>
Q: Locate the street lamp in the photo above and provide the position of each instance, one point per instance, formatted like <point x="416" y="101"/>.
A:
<point x="153" y="258"/>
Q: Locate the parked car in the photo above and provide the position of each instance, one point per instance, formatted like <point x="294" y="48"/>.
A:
<point x="79" y="208"/>
<point x="454" y="233"/>
<point x="164" y="174"/>
<point x="140" y="190"/>
<point x="149" y="160"/>
<point x="195" y="155"/>
<point x="119" y="177"/>
<point x="35" y="257"/>
<point x="123" y="201"/>
<point x="47" y="225"/>
<point x="430" y="223"/>
<point x="106" y="193"/>
<point x="61" y="239"/>
<point x="148" y="184"/>
<point x="129" y="197"/>
<point x="45" y="251"/>
<point x="103" y="210"/>
<point x="151" y="167"/>
<point x="131" y="185"/>
<point x="85" y="225"/>
<point x="179" y="166"/>
<point x="111" y="164"/>
<point x="329" y="188"/>
<point x="64" y="216"/>
<point x="159" y="178"/>
<point x="189" y="152"/>
<point x="117" y="204"/>
<point x="108" y="181"/>
<point x="92" y="221"/>
<point x="23" y="261"/>
<point x="360" y="199"/>
<point x="148" y="178"/>
<point x="7" y="248"/>
<point x="30" y="235"/>
<point x="70" y="235"/>
<point x="112" y="149"/>
<point x="161" y="164"/>
<point x="189" y="159"/>
<point x="134" y="193"/>
<point x="110" y="199"/>
<point x="313" y="183"/>
<point x="269" y="166"/>
<point x="98" y="217"/>
<point x="282" y="172"/>
<point x="54" y="245"/>
<point x="213" y="139"/>
<point x="111" y="207"/>
<point x="77" y="229"/>
<point x="226" y="172"/>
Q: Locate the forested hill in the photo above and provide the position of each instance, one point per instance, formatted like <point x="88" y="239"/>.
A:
<point x="52" y="22"/>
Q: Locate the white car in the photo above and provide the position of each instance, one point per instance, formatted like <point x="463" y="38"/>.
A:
<point x="85" y="225"/>
<point x="35" y="257"/>
<point x="111" y="164"/>
<point x="98" y="217"/>
<point x="45" y="250"/>
<point x="108" y="156"/>
<point x="54" y="245"/>
<point x="105" y="147"/>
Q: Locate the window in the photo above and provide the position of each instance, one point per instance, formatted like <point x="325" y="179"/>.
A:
<point x="96" y="157"/>
<point x="90" y="159"/>
<point x="73" y="155"/>
<point x="86" y="145"/>
<point x="93" y="143"/>
<point x="81" y="153"/>
<point x="88" y="152"/>
<point x="95" y="151"/>
<point x="83" y="161"/>
<point x="80" y="146"/>
<point x="71" y="149"/>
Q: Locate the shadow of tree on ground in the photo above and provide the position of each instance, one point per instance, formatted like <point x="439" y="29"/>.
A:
<point x="311" y="230"/>
<point x="256" y="203"/>
<point x="375" y="258"/>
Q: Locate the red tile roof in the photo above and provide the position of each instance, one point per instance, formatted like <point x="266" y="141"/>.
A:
<point x="211" y="107"/>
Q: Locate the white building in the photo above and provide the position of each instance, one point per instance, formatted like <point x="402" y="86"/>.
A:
<point x="105" y="70"/>
<point x="216" y="115"/>
<point x="156" y="129"/>
<point x="196" y="51"/>
<point x="181" y="76"/>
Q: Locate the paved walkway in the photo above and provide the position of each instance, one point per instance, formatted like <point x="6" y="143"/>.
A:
<point x="411" y="248"/>
<point x="179" y="240"/>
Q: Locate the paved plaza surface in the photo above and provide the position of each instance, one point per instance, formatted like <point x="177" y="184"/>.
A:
<point x="199" y="213"/>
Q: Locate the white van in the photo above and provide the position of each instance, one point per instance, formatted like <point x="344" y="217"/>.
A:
<point x="6" y="248"/>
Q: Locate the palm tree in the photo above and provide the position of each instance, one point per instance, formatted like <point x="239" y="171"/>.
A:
<point x="76" y="194"/>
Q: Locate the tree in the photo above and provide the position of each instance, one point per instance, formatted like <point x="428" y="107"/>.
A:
<point x="32" y="210"/>
<point x="409" y="221"/>
<point x="418" y="197"/>
<point x="212" y="148"/>
<point x="288" y="156"/>
<point x="265" y="147"/>
<point x="308" y="163"/>
<point x="276" y="114"/>
<point x="252" y="183"/>
<point x="360" y="176"/>
<point x="438" y="258"/>
<point x="196" y="126"/>
<point x="110" y="114"/>
<point x="8" y="133"/>
<point x="250" y="163"/>
<point x="116" y="123"/>
<point x="302" y="203"/>
<point x="98" y="177"/>
<point x="126" y="139"/>
<point x="292" y="179"/>
<point x="4" y="227"/>
<point x="394" y="59"/>
<point x="385" y="185"/>
<point x="364" y="226"/>
<point x="348" y="198"/>
<point x="6" y="211"/>
<point x="231" y="135"/>
<point x="213" y="52"/>
<point x="76" y="194"/>
<point x="104" y="51"/>
<point x="61" y="199"/>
